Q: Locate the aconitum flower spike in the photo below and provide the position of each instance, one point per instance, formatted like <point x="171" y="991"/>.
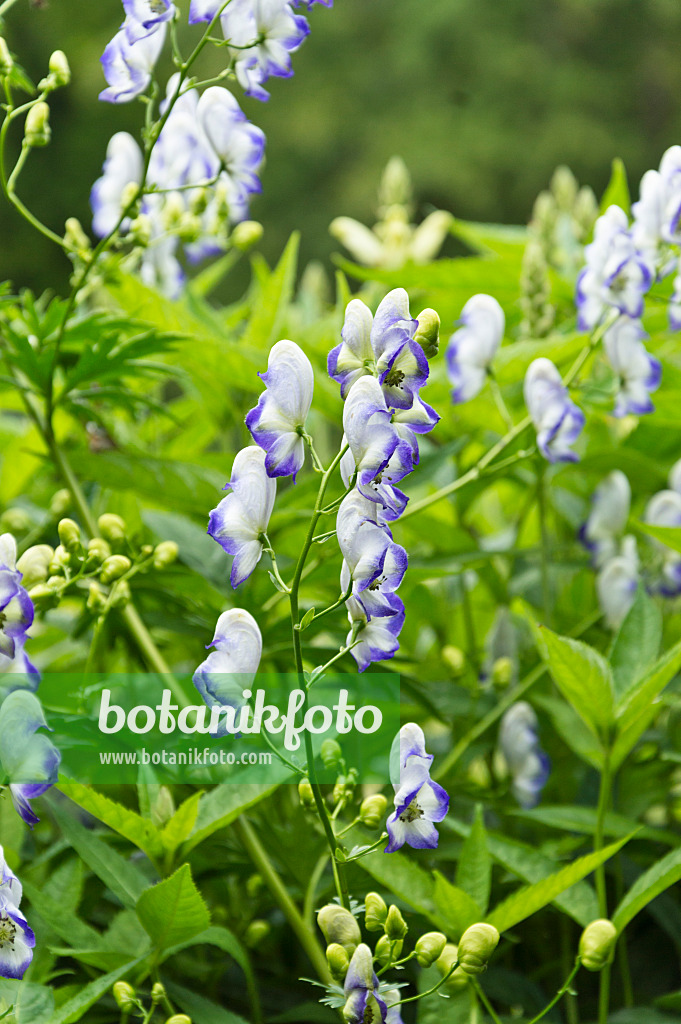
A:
<point x="617" y="274"/>
<point x="528" y="764"/>
<point x="238" y="144"/>
<point x="374" y="639"/>
<point x="29" y="759"/>
<point x="16" y="612"/>
<point x="637" y="371"/>
<point x="229" y="669"/>
<point x="241" y="519"/>
<point x="608" y="517"/>
<point x="419" y="802"/>
<point x="278" y="421"/>
<point x="17" y="941"/>
<point x="390" y="502"/>
<point x="354" y="357"/>
<point x="471" y="349"/>
<point x="557" y="420"/>
<point x="128" y="65"/>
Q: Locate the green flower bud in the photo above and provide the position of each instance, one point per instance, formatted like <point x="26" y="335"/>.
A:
<point x="158" y="992"/>
<point x="257" y="932"/>
<point x="35" y="565"/>
<point x="338" y="961"/>
<point x="59" y="561"/>
<point x="338" y="925"/>
<point x="306" y="795"/>
<point x="375" y="912"/>
<point x="37" y="130"/>
<point x="428" y="332"/>
<point x="45" y="595"/>
<point x="163" y="807"/>
<point x="179" y="1018"/>
<point x="502" y="672"/>
<point x="120" y="595"/>
<point x="395" y="925"/>
<point x="59" y="68"/>
<point x="331" y="753"/>
<point x="6" y="60"/>
<point x="430" y="947"/>
<point x="254" y="885"/>
<point x="246" y="234"/>
<point x="61" y="503"/>
<point x="564" y="187"/>
<point x="165" y="554"/>
<point x="449" y="956"/>
<point x="75" y="237"/>
<point x="343" y="789"/>
<point x="129" y="194"/>
<point x="476" y="947"/>
<point x="141" y="230"/>
<point x="372" y="810"/>
<point x="114" y="567"/>
<point x="69" y="535"/>
<point x="454" y="659"/>
<point x="15" y="520"/>
<point x="96" y="598"/>
<point x="112" y="527"/>
<point x="125" y="996"/>
<point x="597" y="944"/>
<point x="97" y="552"/>
<point x="388" y="950"/>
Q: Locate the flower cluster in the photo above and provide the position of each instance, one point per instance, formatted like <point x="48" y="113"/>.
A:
<point x="17" y="941"/>
<point x="419" y="802"/>
<point x="527" y="763"/>
<point x="381" y="366"/>
<point x="16" y="613"/>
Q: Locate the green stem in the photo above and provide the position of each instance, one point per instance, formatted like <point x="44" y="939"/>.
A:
<point x="422" y="995"/>
<point x="601" y="890"/>
<point x="559" y="994"/>
<point x="544" y="533"/>
<point x="274" y="883"/>
<point x="484" y="1000"/>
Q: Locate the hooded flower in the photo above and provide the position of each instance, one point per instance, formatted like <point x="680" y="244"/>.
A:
<point x="363" y="1001"/>
<point x="228" y="670"/>
<point x="144" y="16"/>
<point x="16" y="611"/>
<point x="278" y="421"/>
<point x="617" y="274"/>
<point x="557" y="420"/>
<point x="608" y="517"/>
<point x="374" y="441"/>
<point x="17" y="941"/>
<point x="263" y="34"/>
<point x="390" y="502"/>
<point x="419" y="802"/>
<point x="657" y="214"/>
<point x="28" y="758"/>
<point x="528" y="764"/>
<point x="128" y="64"/>
<point x="664" y="509"/>
<point x="122" y="166"/>
<point x="472" y="348"/>
<point x="638" y="372"/>
<point x="240" y="520"/>
<point x="370" y="552"/>
<point x="238" y="144"/>
<point x="617" y="582"/>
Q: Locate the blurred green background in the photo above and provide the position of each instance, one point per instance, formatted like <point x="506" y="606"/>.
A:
<point x="482" y="98"/>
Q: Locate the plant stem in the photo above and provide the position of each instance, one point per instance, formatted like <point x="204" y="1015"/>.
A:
<point x="601" y="891"/>
<point x="544" y="533"/>
<point x="484" y="1000"/>
<point x="559" y="994"/>
<point x="274" y="883"/>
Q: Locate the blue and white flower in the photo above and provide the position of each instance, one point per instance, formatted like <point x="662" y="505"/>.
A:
<point x="278" y="421"/>
<point x="617" y="273"/>
<point x="374" y="441"/>
<point x="610" y="504"/>
<point x="240" y="521"/>
<point x="122" y="167"/>
<point x="29" y="759"/>
<point x="527" y="763"/>
<point x="657" y="214"/>
<point x="16" y="611"/>
<point x="144" y="16"/>
<point x="263" y="34"/>
<point x="557" y="420"/>
<point x="637" y="371"/>
<point x="617" y="582"/>
<point x="17" y="941"/>
<point x="419" y="802"/>
<point x="674" y="477"/>
<point x="238" y="144"/>
<point x="128" y="64"/>
<point x="389" y="500"/>
<point x="368" y="549"/>
<point x="664" y="509"/>
<point x="373" y="639"/>
<point x="229" y="669"/>
<point x="363" y="1001"/>
<point x="471" y="349"/>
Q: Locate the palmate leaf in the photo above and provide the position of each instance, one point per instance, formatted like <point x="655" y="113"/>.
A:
<point x="107" y="352"/>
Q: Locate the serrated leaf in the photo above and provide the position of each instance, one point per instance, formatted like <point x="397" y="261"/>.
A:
<point x="222" y="806"/>
<point x="651" y="883"/>
<point x="637" y="643"/>
<point x="639" y="698"/>
<point x="582" y="675"/>
<point x="61" y="921"/>
<point x="572" y="729"/>
<point x="474" y="870"/>
<point x="531" y="898"/>
<point x="126" y="822"/>
<point x="173" y="910"/>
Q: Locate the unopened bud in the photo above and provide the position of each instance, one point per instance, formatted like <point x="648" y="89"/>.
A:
<point x="338" y="925"/>
<point x="112" y="527"/>
<point x="476" y="947"/>
<point x="45" y="595"/>
<point x="454" y="659"/>
<point x="75" y="237"/>
<point x="60" y="559"/>
<point x="338" y="960"/>
<point x="114" y="567"/>
<point x="141" y="230"/>
<point x="179" y="1018"/>
<point x="254" y="885"/>
<point x="61" y="503"/>
<point x="165" y="554"/>
<point x="69" y="535"/>
<point x="564" y="187"/>
<point x="343" y="789"/>
<point x="120" y="596"/>
<point x="372" y="810"/>
<point x="257" y="932"/>
<point x="158" y="992"/>
<point x="306" y="794"/>
<point x="125" y="996"/>
<point x="37" y="130"/>
<point x="59" y="68"/>
<point x="6" y="60"/>
<point x="388" y="950"/>
<point x="14" y="520"/>
<point x="163" y="806"/>
<point x="330" y="753"/>
<point x="96" y="598"/>
<point x="502" y="672"/>
<point x="97" y="552"/>
<point x="129" y="194"/>
<point x="597" y="944"/>
<point x="427" y="333"/>
<point x="375" y="912"/>
<point x="395" y="925"/>
<point x="430" y="947"/>
<point x="34" y="565"/>
<point x="246" y="234"/>
<point x="444" y="964"/>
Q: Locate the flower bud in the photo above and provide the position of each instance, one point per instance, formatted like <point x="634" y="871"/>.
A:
<point x="125" y="996"/>
<point x="372" y="810"/>
<point x="388" y="950"/>
<point x="141" y="230"/>
<point x="338" y="925"/>
<point x="395" y="925"/>
<point x="129" y="194"/>
<point x="165" y="554"/>
<point x="476" y="947"/>
<point x="502" y="672"/>
<point x="597" y="944"/>
<point x="75" y="237"/>
<point x="343" y="788"/>
<point x="454" y="659"/>
<point x="111" y="527"/>
<point x="15" y="520"/>
<point x="59" y="68"/>
<point x="338" y="960"/>
<point x="246" y="234"/>
<point x="163" y="807"/>
<point x="114" y="567"/>
<point x="45" y="595"/>
<point x="158" y="992"/>
<point x="306" y="795"/>
<point x="330" y="753"/>
<point x="564" y="187"/>
<point x="120" y="595"/>
<point x="257" y="932"/>
<point x="59" y="561"/>
<point x="61" y="503"/>
<point x="69" y="535"/>
<point x="375" y="912"/>
<point x="97" y="552"/>
<point x="427" y="333"/>
<point x="254" y="885"/>
<point x="449" y="956"/>
<point x="6" y="60"/>
<point x="34" y="564"/>
<point x="37" y="130"/>
<point x="96" y="598"/>
<point x="430" y="947"/>
<point x="179" y="1018"/>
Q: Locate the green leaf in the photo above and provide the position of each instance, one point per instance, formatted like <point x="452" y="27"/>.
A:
<point x="454" y="906"/>
<point x="60" y="920"/>
<point x="639" y="698"/>
<point x="181" y="824"/>
<point x="222" y="806"/>
<point x="140" y="831"/>
<point x="582" y="675"/>
<point x="617" y="190"/>
<point x="474" y="870"/>
<point x="173" y="910"/>
<point x="647" y="886"/>
<point x="583" y="821"/>
<point x="124" y="880"/>
<point x="201" y="1010"/>
<point x="572" y="730"/>
<point x="271" y="303"/>
<point x="670" y="536"/>
<point x="637" y="643"/>
<point x="531" y="898"/>
<point x="73" y="1009"/>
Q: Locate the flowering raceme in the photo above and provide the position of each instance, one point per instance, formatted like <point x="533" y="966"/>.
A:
<point x="419" y="802"/>
<point x="241" y="519"/>
<point x="16" y="612"/>
<point x="638" y="373"/>
<point x="617" y="274"/>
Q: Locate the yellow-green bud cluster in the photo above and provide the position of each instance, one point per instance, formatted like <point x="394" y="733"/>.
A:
<point x="34" y="564"/>
<point x="339" y="926"/>
<point x="331" y="753"/>
<point x="429" y="948"/>
<point x="427" y="333"/>
<point x="388" y="950"/>
<point x="375" y="912"/>
<point x="257" y="932"/>
<point x="124" y="996"/>
<point x="597" y="944"/>
<point x="535" y="293"/>
<point x="476" y="947"/>
<point x="165" y="554"/>
<point x="37" y="132"/>
<point x="444" y="965"/>
<point x="179" y="1018"/>
<point x="338" y="960"/>
<point x="306" y="795"/>
<point x="372" y="810"/>
<point x="15" y="520"/>
<point x="114" y="567"/>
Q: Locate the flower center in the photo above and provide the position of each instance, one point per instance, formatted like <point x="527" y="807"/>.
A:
<point x="376" y="585"/>
<point x="411" y="813"/>
<point x="394" y="378"/>
<point x="157" y="6"/>
<point x="8" y="930"/>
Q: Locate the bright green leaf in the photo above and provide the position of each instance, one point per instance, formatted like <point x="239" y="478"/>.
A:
<point x="650" y="884"/>
<point x="582" y="675"/>
<point x="173" y="910"/>
<point x="474" y="870"/>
